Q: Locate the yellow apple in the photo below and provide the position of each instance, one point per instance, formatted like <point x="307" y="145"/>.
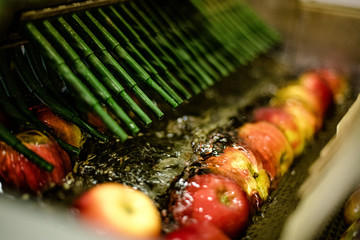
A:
<point x="270" y="145"/>
<point x="240" y="164"/>
<point x="306" y="121"/>
<point x="296" y="94"/>
<point x="120" y="210"/>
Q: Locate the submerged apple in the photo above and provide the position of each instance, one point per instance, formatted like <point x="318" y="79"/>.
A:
<point x="214" y="199"/>
<point x="286" y="122"/>
<point x="307" y="122"/>
<point x="66" y="131"/>
<point x="197" y="231"/>
<point x="240" y="164"/>
<point x="18" y="172"/>
<point x="335" y="81"/>
<point x="120" y="210"/>
<point x="317" y="87"/>
<point x="269" y="145"/>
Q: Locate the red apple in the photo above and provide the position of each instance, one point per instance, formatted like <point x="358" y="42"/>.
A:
<point x="197" y="231"/>
<point x="335" y="81"/>
<point x="286" y="122"/>
<point x="240" y="164"/>
<point x="315" y="84"/>
<point x="215" y="199"/>
<point x="120" y="210"/>
<point x="66" y="131"/>
<point x="18" y="172"/>
<point x="270" y="145"/>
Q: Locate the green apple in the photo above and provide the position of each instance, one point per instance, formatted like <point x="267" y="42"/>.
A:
<point x="296" y="94"/>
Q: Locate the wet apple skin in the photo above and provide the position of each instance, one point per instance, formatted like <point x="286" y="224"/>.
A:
<point x="215" y="199"/>
<point x="120" y="210"/>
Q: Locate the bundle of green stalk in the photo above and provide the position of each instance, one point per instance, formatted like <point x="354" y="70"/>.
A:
<point x="130" y="57"/>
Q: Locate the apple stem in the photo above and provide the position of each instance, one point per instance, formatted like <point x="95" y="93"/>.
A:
<point x="224" y="198"/>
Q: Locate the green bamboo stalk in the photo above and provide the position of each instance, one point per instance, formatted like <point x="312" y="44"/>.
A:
<point x="75" y="61"/>
<point x="203" y="25"/>
<point x="257" y="31"/>
<point x="196" y="28"/>
<point x="239" y="28"/>
<point x="86" y="53"/>
<point x="175" y="36"/>
<point x="120" y="52"/>
<point x="190" y="38"/>
<point x="55" y="103"/>
<point x="65" y="72"/>
<point x="111" y="19"/>
<point x="233" y="14"/>
<point x="108" y="60"/>
<point x="120" y="36"/>
<point x="256" y="24"/>
<point x="155" y="59"/>
<point x="238" y="43"/>
<point x="7" y="137"/>
<point x="223" y="66"/>
<point x="222" y="34"/>
<point x="176" y="52"/>
<point x="259" y="24"/>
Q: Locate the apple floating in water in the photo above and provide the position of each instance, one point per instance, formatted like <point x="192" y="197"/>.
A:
<point x="214" y="199"/>
<point x="335" y="81"/>
<point x="298" y="95"/>
<point x="18" y="172"/>
<point x="286" y="122"/>
<point x="240" y="164"/>
<point x="318" y="88"/>
<point x="269" y="145"/>
<point x="120" y="210"/>
<point x="197" y="231"/>
<point x="306" y="121"/>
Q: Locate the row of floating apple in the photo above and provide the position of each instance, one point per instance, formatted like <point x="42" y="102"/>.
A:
<point x="265" y="150"/>
<point x="219" y="203"/>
